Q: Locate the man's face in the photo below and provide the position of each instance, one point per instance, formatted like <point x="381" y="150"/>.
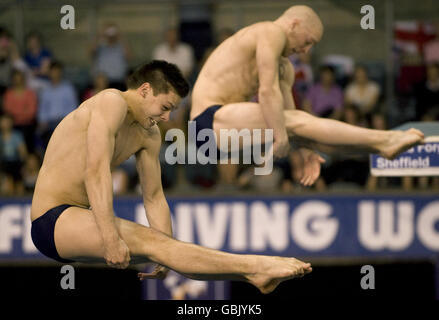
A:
<point x="301" y="38"/>
<point x="33" y="43"/>
<point x="327" y="78"/>
<point x="6" y="124"/>
<point x="172" y="37"/>
<point x="55" y="74"/>
<point x="111" y="34"/>
<point x="360" y="75"/>
<point x="154" y="109"/>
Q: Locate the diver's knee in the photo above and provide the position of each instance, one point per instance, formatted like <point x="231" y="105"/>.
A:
<point x="296" y="118"/>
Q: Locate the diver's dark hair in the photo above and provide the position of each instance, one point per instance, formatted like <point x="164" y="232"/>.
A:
<point x="161" y="75"/>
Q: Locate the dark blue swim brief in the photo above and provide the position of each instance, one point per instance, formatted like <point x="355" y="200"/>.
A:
<point x="43" y="233"/>
<point x="205" y="121"/>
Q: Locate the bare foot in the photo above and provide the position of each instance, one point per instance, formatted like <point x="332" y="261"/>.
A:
<point x="400" y="141"/>
<point x="273" y="270"/>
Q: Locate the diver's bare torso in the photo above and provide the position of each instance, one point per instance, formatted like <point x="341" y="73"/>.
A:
<point x="61" y="179"/>
<point x="230" y="74"/>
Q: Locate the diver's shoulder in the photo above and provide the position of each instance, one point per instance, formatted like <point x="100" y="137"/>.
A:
<point x="111" y="98"/>
<point x="268" y="27"/>
<point x="267" y="30"/>
<point x="111" y="93"/>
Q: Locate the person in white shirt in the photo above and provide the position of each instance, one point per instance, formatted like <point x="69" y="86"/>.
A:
<point x="176" y="52"/>
<point x="362" y="93"/>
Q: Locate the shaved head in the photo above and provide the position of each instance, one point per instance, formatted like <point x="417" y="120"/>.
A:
<point x="305" y="15"/>
<point x="302" y="28"/>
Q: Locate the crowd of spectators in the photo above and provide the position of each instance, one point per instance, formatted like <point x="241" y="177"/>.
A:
<point x="35" y="96"/>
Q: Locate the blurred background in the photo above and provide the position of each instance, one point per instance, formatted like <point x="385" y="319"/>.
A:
<point x="376" y="78"/>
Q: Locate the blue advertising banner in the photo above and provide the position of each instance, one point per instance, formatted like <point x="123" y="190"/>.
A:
<point x="311" y="226"/>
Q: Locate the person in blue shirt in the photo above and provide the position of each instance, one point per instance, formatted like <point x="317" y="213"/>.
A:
<point x="37" y="57"/>
<point x="57" y="100"/>
<point x="110" y="54"/>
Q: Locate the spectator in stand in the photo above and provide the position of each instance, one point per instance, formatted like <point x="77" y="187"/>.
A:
<point x="111" y="54"/>
<point x="325" y="99"/>
<point x="363" y="94"/>
<point x="100" y="82"/>
<point x="37" y="57"/>
<point x="12" y="155"/>
<point x="21" y="103"/>
<point x="353" y="116"/>
<point x="9" y="59"/>
<point x="56" y="101"/>
<point x="176" y="52"/>
<point x="427" y="95"/>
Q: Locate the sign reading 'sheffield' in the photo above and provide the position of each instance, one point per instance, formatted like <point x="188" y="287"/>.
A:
<point x="421" y="160"/>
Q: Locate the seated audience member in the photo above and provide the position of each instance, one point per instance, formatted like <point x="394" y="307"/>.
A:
<point x="174" y="51"/>
<point x="353" y="116"/>
<point x="110" y="54"/>
<point x="12" y="155"/>
<point x="21" y="103"/>
<point x="343" y="66"/>
<point x="325" y="98"/>
<point x="37" y="57"/>
<point x="56" y="101"/>
<point x="9" y="59"/>
<point x="362" y="93"/>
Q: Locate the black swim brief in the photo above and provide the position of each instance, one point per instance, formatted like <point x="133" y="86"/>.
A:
<point x="43" y="233"/>
<point x="205" y="121"/>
